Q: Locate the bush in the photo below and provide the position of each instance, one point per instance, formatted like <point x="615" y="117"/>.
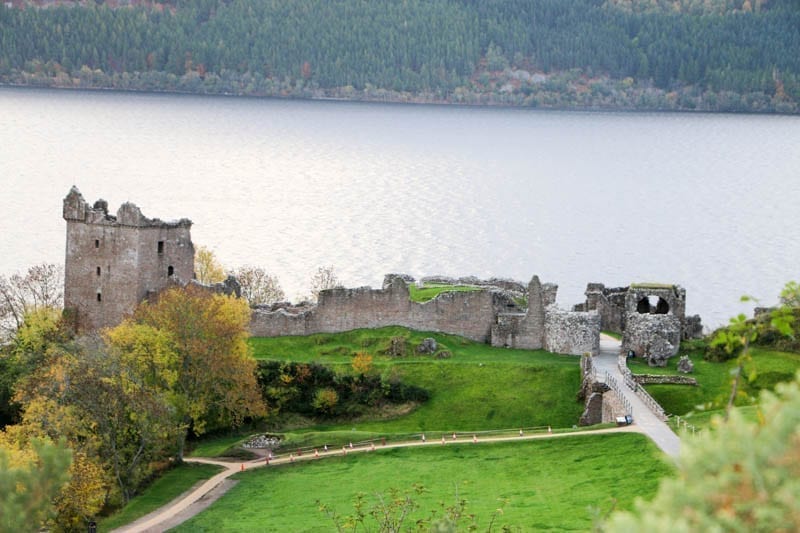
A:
<point x="325" y="400"/>
<point x="312" y="389"/>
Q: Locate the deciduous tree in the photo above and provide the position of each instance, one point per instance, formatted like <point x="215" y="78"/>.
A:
<point x="207" y="268"/>
<point x="362" y="363"/>
<point x="105" y="410"/>
<point x="324" y="278"/>
<point x="41" y="287"/>
<point x="215" y="384"/>
<point x="257" y="286"/>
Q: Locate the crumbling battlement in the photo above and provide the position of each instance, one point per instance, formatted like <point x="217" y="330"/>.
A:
<point x="114" y="262"/>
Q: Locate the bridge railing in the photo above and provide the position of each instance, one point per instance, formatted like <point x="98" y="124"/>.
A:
<point x="613" y="385"/>
<point x="643" y="395"/>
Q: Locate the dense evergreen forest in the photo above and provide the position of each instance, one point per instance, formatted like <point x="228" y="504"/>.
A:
<point x="718" y="55"/>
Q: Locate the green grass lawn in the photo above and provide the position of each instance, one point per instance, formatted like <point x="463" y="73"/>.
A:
<point x="431" y="290"/>
<point x="172" y="484"/>
<point x="479" y="387"/>
<point x="338" y="348"/>
<point x="492" y="396"/>
<point x="714" y="380"/>
<point x="215" y="445"/>
<point x="548" y="484"/>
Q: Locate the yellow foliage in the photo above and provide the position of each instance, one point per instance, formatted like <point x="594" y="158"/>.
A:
<point x="146" y="351"/>
<point x="80" y="498"/>
<point x="216" y="373"/>
<point x="206" y="266"/>
<point x="362" y="363"/>
<point x="83" y="497"/>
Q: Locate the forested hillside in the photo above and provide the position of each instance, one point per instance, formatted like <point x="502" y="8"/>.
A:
<point x="721" y="55"/>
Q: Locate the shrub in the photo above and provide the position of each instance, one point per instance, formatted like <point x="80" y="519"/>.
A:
<point x="325" y="400"/>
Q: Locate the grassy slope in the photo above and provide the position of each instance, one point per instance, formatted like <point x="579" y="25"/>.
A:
<point x="549" y="484"/>
<point x="714" y="380"/>
<point x="479" y="387"/>
<point x="166" y="488"/>
<point x="215" y="445"/>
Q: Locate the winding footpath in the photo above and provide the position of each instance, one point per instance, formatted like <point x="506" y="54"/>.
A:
<point x="198" y="498"/>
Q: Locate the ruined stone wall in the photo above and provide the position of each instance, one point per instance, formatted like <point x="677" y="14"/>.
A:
<point x="611" y="308"/>
<point x="470" y="314"/>
<point x="478" y="315"/>
<point x="609" y="302"/>
<point x="571" y="332"/>
<point x="549" y="293"/>
<point x="265" y="323"/>
<point x="113" y="262"/>
<point x="602" y="404"/>
<point x="658" y="336"/>
<point x="524" y="330"/>
<point x="658" y="379"/>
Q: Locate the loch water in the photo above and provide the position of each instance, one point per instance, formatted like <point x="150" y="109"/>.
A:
<point x="708" y="201"/>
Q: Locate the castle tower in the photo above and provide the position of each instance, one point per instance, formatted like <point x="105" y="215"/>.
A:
<point x="115" y="262"/>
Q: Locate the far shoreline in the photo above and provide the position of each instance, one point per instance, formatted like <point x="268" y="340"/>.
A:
<point x="413" y="101"/>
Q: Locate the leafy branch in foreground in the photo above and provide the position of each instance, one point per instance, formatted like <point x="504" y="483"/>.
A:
<point x="741" y="333"/>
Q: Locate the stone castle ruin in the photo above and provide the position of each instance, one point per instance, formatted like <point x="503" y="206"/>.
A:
<point x="113" y="262"/>
<point x="650" y="317"/>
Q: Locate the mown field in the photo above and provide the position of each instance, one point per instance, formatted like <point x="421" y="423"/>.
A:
<point x="540" y="485"/>
<point x="478" y="387"/>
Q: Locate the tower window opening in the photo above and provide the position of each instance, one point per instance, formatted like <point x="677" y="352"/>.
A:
<point x="161" y="247"/>
<point x="97" y="243"/>
<point x="170" y="270"/>
<point x="98" y="271"/>
<point x="99" y="297"/>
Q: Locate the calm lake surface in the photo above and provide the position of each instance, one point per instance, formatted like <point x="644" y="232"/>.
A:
<point x="711" y="202"/>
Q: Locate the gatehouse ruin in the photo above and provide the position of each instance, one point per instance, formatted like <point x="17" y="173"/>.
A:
<point x="651" y="317"/>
